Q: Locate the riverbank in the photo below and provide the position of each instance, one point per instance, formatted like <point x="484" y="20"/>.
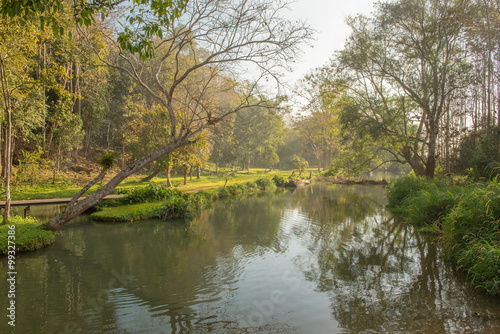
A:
<point x="159" y="202"/>
<point x="26" y="234"/>
<point x="149" y="202"/>
<point x="65" y="187"/>
<point x="465" y="215"/>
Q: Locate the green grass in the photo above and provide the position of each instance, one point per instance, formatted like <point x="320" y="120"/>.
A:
<point x="132" y="212"/>
<point x="466" y="216"/>
<point x="65" y="190"/>
<point x="153" y="201"/>
<point x="29" y="235"/>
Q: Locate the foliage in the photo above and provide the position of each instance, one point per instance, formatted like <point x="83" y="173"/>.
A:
<point x="150" y="193"/>
<point x="132" y="212"/>
<point x="279" y="180"/>
<point x="106" y="160"/>
<point x="467" y="216"/>
<point x="149" y="14"/>
<point x="30" y="167"/>
<point x="30" y="235"/>
<point x="299" y="163"/>
<point x="478" y="153"/>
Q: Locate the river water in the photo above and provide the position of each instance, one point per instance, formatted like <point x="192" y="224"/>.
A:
<point x="320" y="259"/>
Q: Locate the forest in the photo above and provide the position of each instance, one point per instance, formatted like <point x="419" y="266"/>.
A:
<point x="108" y="88"/>
<point x="180" y="182"/>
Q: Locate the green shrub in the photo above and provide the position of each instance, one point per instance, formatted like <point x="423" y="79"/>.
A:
<point x="475" y="218"/>
<point x="278" y="180"/>
<point x="150" y="193"/>
<point x="429" y="206"/>
<point x="265" y="184"/>
<point x="402" y="188"/>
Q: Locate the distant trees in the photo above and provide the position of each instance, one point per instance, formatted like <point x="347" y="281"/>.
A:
<point x="417" y="77"/>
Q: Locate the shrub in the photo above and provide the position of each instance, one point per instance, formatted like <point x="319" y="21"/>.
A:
<point x="265" y="184"/>
<point x="429" y="205"/>
<point x="150" y="193"/>
<point x="278" y="180"/>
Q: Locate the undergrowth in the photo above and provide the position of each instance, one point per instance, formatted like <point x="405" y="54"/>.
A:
<point x="156" y="201"/>
<point x="467" y="216"/>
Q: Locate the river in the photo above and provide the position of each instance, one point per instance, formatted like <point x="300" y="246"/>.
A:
<point x="320" y="259"/>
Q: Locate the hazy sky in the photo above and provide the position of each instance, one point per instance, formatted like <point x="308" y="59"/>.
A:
<point x="328" y="18"/>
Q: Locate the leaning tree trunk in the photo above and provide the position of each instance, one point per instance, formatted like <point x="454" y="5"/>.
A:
<point x="74" y="208"/>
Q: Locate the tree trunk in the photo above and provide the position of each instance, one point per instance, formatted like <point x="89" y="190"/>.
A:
<point x="198" y="171"/>
<point x="74" y="209"/>
<point x="8" y="135"/>
<point x="430" y="166"/>
<point x="155" y="172"/>
<point x="167" y="171"/>
<point x="191" y="174"/>
<point x="185" y="174"/>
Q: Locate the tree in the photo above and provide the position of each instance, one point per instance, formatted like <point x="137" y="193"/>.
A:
<point x="149" y="15"/>
<point x="299" y="163"/>
<point x="258" y="133"/>
<point x="401" y="67"/>
<point x="17" y="51"/>
<point x="229" y="34"/>
<point x="318" y="124"/>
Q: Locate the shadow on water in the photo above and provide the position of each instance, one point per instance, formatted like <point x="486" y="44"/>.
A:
<point x="317" y="259"/>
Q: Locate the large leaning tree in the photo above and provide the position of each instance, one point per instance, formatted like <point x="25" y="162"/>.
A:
<point x="214" y="40"/>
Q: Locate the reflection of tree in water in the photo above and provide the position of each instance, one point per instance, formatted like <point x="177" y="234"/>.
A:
<point x="175" y="267"/>
<point x="379" y="275"/>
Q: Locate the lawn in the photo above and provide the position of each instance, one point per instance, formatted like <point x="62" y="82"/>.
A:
<point x="65" y="190"/>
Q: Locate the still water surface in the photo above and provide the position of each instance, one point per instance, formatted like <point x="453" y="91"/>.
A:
<point x="321" y="259"/>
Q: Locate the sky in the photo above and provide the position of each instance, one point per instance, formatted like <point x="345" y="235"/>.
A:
<point x="328" y="18"/>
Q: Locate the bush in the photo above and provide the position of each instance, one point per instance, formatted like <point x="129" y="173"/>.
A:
<point x="150" y="193"/>
<point x="475" y="218"/>
<point x="468" y="218"/>
<point x="265" y="184"/>
<point x="278" y="180"/>
<point x="429" y="205"/>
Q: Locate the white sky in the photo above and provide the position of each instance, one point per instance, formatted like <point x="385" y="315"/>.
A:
<point x="328" y="18"/>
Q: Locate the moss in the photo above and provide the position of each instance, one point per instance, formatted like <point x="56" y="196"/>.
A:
<point x="29" y="235"/>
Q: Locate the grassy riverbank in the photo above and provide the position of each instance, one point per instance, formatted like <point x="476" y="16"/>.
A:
<point x="64" y="188"/>
<point x="156" y="201"/>
<point x="29" y="235"/>
<point x="467" y="216"/>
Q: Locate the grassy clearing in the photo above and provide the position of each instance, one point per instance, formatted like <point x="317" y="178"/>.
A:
<point x="29" y="235"/>
<point x="68" y="190"/>
<point x="467" y="216"/>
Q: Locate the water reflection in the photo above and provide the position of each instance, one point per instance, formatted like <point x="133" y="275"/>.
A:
<point x="315" y="260"/>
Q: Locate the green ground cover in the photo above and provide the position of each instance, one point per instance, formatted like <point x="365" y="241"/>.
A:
<point x="65" y="190"/>
<point x="29" y="235"/>
<point x="467" y="216"/>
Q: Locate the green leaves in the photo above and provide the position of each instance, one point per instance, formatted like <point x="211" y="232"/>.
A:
<point x="149" y="14"/>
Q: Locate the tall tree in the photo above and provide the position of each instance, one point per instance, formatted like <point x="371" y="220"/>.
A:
<point x="231" y="35"/>
<point x="402" y="65"/>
